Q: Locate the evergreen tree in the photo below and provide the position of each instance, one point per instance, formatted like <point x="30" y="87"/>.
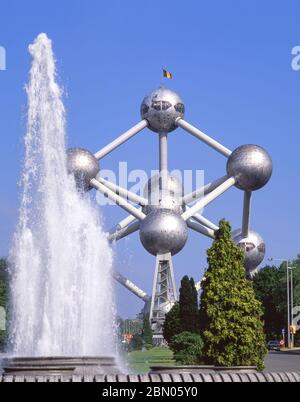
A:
<point x="172" y="325"/>
<point x="268" y="284"/>
<point x="147" y="333"/>
<point x="188" y="306"/>
<point x="270" y="288"/>
<point x="230" y="315"/>
<point x="136" y="343"/>
<point x="184" y="315"/>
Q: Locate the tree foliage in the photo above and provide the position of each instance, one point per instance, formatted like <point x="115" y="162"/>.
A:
<point x="184" y="315"/>
<point x="187" y="348"/>
<point x="270" y="285"/>
<point x="136" y="342"/>
<point x="172" y="325"/>
<point x="181" y="326"/>
<point x="188" y="306"/>
<point x="230" y="314"/>
<point x="3" y="282"/>
<point x="147" y="333"/>
<point x="267" y="284"/>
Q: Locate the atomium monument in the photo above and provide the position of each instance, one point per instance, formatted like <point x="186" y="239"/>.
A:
<point x="164" y="213"/>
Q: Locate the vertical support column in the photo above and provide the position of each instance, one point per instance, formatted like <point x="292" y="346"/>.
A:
<point x="164" y="295"/>
<point x="163" y="161"/>
<point x="246" y="213"/>
<point x="288" y="304"/>
<point x="292" y="307"/>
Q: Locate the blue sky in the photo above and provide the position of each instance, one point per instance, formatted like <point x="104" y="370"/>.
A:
<point x="231" y="62"/>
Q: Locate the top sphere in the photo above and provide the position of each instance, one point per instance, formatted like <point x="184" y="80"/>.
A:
<point x="83" y="165"/>
<point x="251" y="166"/>
<point x="161" y="109"/>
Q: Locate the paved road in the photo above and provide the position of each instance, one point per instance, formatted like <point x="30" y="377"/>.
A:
<point x="277" y="361"/>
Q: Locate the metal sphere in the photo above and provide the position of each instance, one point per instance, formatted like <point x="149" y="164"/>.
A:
<point x="83" y="165"/>
<point x="163" y="231"/>
<point x="161" y="109"/>
<point x="251" y="165"/>
<point x="170" y="198"/>
<point x="253" y="246"/>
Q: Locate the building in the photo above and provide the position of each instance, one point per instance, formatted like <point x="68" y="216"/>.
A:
<point x="130" y="328"/>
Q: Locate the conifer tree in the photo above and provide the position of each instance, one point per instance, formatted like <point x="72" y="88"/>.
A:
<point x="172" y="325"/>
<point x="147" y="333"/>
<point x="188" y="306"/>
<point x="230" y="315"/>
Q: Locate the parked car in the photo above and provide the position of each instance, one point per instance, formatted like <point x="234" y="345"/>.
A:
<point x="273" y="345"/>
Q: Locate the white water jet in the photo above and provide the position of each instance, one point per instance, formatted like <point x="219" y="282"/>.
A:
<point x="61" y="295"/>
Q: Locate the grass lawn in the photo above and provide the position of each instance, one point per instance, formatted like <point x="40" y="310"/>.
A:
<point x="140" y="361"/>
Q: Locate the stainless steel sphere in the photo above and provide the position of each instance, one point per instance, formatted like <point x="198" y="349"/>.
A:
<point x="251" y="165"/>
<point x="169" y="198"/>
<point x="161" y="109"/>
<point x="163" y="231"/>
<point x="83" y="165"/>
<point x="253" y="247"/>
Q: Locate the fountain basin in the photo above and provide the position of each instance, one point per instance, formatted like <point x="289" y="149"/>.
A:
<point x="193" y="369"/>
<point x="36" y="366"/>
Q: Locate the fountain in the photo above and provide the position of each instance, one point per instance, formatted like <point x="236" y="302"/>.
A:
<point x="61" y="262"/>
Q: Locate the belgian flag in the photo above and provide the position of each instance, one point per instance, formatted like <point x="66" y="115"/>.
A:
<point x="167" y="74"/>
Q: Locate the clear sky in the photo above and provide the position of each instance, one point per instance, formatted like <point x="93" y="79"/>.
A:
<point x="231" y="62"/>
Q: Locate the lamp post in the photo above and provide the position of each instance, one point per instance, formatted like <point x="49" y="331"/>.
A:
<point x="292" y="304"/>
<point x="288" y="303"/>
<point x="290" y="299"/>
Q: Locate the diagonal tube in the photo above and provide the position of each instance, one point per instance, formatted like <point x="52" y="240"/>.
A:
<point x="197" y="227"/>
<point x="137" y="213"/>
<point x="204" y="190"/>
<point x="205" y="222"/>
<point x="121" y="139"/>
<point x="123" y="223"/>
<point x="121" y="233"/>
<point x="123" y="192"/>
<point x="203" y="137"/>
<point x="131" y="286"/>
<point x="208" y="198"/>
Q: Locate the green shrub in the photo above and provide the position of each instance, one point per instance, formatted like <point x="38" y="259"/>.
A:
<point x="187" y="348"/>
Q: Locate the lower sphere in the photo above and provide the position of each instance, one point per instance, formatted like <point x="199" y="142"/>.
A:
<point x="253" y="246"/>
<point x="163" y="231"/>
